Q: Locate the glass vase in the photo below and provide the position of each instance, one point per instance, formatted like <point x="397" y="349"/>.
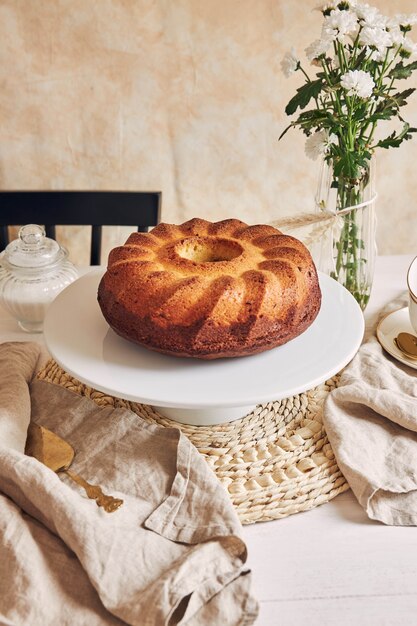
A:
<point x="348" y="249"/>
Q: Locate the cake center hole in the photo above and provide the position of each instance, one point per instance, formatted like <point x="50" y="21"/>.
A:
<point x="206" y="250"/>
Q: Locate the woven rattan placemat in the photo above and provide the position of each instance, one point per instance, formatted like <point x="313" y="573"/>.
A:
<point x="274" y="462"/>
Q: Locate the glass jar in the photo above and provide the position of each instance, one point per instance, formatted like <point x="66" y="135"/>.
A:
<point x="347" y="252"/>
<point x="33" y="270"/>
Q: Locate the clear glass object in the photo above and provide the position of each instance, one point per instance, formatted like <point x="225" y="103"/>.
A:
<point x="348" y="249"/>
<point x="33" y="271"/>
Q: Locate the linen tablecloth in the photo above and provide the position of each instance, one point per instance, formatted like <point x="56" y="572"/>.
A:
<point x="171" y="554"/>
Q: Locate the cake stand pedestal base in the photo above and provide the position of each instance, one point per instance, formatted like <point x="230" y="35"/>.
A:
<point x="204" y="416"/>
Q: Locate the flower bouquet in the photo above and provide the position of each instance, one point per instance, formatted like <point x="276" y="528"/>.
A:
<point x="360" y="58"/>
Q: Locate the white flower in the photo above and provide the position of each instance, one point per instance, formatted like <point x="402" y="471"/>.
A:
<point x="404" y="21"/>
<point x="339" y="24"/>
<point x="317" y="48"/>
<point x="377" y="38"/>
<point x="358" y="83"/>
<point x="326" y="7"/>
<point x="367" y="13"/>
<point x="397" y="36"/>
<point x="331" y="6"/>
<point x="370" y="16"/>
<point x="408" y="49"/>
<point x="319" y="144"/>
<point x="289" y="63"/>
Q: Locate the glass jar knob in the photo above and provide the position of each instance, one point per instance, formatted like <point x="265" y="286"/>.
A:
<point x="32" y="235"/>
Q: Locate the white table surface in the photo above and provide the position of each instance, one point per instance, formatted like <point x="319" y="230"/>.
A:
<point x="332" y="565"/>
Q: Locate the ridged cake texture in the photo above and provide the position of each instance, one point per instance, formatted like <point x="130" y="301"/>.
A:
<point x="210" y="289"/>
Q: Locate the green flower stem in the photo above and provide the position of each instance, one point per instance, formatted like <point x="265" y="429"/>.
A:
<point x="334" y="98"/>
<point x="371" y="134"/>
<point x="348" y="257"/>
<point x="304" y="72"/>
<point x="382" y="71"/>
<point x="337" y="47"/>
<point x="355" y="45"/>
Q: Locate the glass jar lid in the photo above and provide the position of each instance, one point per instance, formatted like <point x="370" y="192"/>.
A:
<point x="33" y="250"/>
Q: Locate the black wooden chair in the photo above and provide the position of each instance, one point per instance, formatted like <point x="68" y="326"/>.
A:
<point x="140" y="209"/>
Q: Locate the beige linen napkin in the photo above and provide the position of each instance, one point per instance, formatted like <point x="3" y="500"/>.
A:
<point x="170" y="555"/>
<point x="371" y="423"/>
<point x="18" y="362"/>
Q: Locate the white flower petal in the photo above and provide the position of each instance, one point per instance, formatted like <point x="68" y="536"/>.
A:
<point x="370" y="16"/>
<point x="408" y="49"/>
<point x="358" y="83"/>
<point x="327" y="6"/>
<point x="368" y="12"/>
<point x="397" y="36"/>
<point x="289" y="63"/>
<point x="404" y="20"/>
<point x="319" y="143"/>
<point x="339" y="24"/>
<point x="317" y="48"/>
<point x="377" y="38"/>
<point x="331" y="6"/>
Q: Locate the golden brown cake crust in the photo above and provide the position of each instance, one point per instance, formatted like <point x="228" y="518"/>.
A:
<point x="210" y="289"/>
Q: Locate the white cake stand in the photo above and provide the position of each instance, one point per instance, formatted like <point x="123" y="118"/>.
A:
<point x="193" y="391"/>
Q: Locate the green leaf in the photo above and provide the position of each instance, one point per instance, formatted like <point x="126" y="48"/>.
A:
<point x="394" y="140"/>
<point x="316" y="119"/>
<point x="401" y="97"/>
<point x="345" y="166"/>
<point x="311" y="116"/>
<point x="304" y="95"/>
<point x="401" y="71"/>
<point x="390" y="105"/>
<point x="382" y="114"/>
<point x="360" y="111"/>
<point x="349" y="168"/>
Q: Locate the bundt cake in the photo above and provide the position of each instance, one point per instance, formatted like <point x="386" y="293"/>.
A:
<point x="210" y="289"/>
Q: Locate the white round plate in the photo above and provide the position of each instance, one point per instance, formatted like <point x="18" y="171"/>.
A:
<point x="389" y="328"/>
<point x="80" y="340"/>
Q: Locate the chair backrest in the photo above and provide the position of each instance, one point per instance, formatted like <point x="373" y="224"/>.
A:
<point x="141" y="209"/>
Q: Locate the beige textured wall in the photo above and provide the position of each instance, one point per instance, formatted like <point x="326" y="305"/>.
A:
<point x="183" y="96"/>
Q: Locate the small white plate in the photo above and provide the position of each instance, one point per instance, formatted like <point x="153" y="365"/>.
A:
<point x="81" y="341"/>
<point x="389" y="328"/>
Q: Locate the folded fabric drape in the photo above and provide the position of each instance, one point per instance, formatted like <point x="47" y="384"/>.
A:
<point x="371" y="423"/>
<point x="170" y="555"/>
